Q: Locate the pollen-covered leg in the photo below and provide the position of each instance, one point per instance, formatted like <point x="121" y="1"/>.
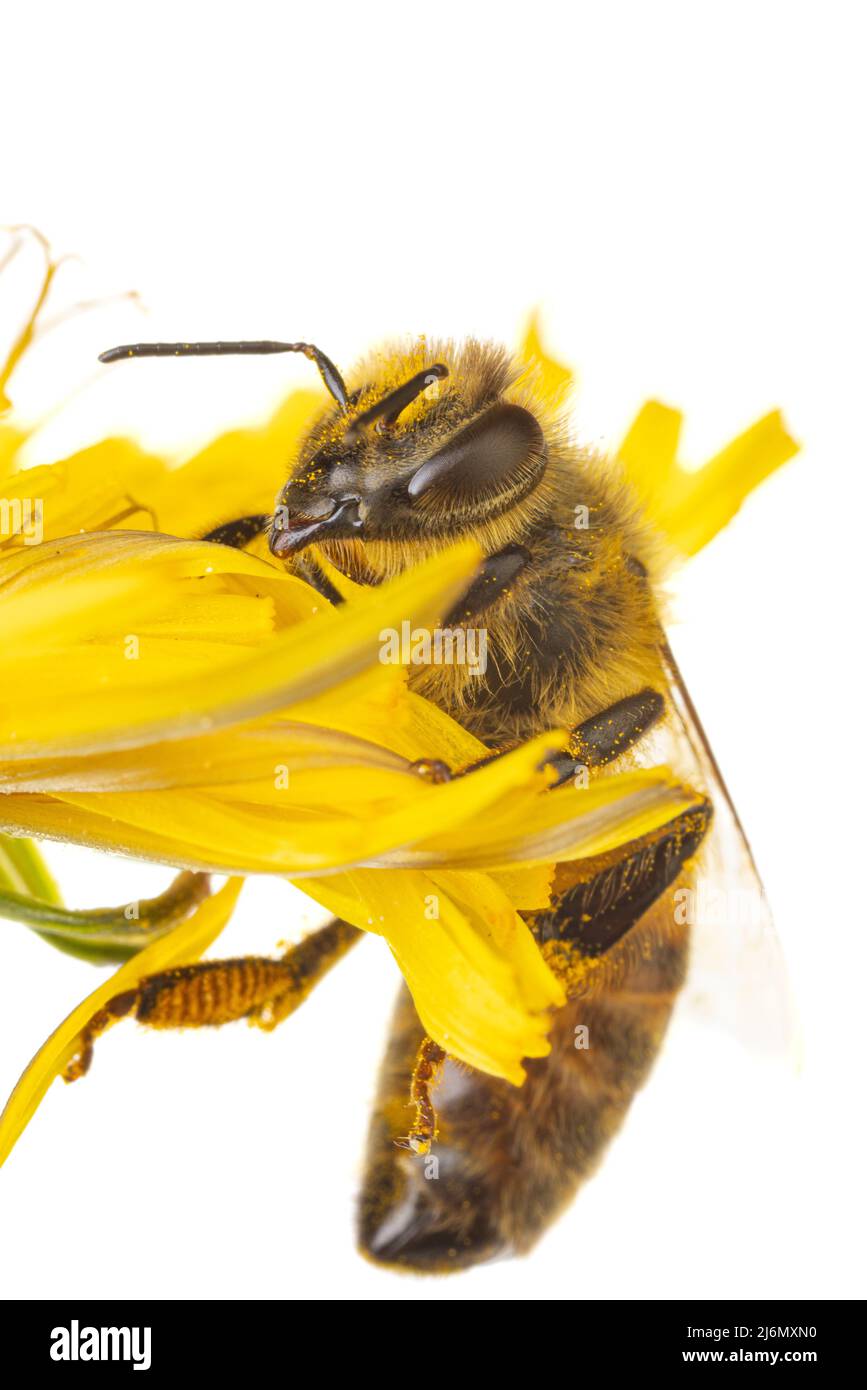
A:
<point x="116" y="1009"/>
<point x="423" y="1130"/>
<point x="600" y="739"/>
<point x="603" y="737"/>
<point x="596" y="902"/>
<point x="304" y="966"/>
<point x="213" y="992"/>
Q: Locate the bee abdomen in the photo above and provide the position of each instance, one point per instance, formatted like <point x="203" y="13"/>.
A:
<point x="508" y="1159"/>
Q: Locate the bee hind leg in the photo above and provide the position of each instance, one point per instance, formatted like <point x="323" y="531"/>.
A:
<point x="596" y="902"/>
<point x="261" y="989"/>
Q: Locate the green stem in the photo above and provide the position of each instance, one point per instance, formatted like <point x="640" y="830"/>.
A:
<point x="23" y="870"/>
<point x="108" y="934"/>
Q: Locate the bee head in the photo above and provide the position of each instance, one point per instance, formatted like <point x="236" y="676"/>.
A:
<point x="374" y="471"/>
<point x="400" y="461"/>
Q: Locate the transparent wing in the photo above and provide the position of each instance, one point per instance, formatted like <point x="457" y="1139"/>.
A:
<point x="737" y="975"/>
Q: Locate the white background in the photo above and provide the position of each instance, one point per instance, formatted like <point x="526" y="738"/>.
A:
<point x="680" y="188"/>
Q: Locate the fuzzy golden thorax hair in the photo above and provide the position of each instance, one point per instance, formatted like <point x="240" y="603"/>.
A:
<point x="577" y="629"/>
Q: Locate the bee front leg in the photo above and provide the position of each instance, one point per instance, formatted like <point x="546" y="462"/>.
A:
<point x="239" y="532"/>
<point x="209" y="993"/>
<point x="244" y="529"/>
<point x="495" y="576"/>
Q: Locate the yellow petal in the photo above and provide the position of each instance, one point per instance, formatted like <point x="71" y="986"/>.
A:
<point x="690" y="508"/>
<point x="297" y="664"/>
<point x="528" y="889"/>
<point x="551" y="379"/>
<point x="316" y="822"/>
<point x="649" y="450"/>
<point x="101" y="486"/>
<point x="179" y="947"/>
<point x="11" y="440"/>
<point x="239" y="474"/>
<point x="268" y="750"/>
<point x="478" y="981"/>
<point x="564" y="824"/>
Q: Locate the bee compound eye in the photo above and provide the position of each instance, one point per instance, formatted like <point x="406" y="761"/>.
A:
<point x="502" y="449"/>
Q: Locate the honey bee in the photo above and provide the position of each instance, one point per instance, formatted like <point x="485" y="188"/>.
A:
<point x="426" y="443"/>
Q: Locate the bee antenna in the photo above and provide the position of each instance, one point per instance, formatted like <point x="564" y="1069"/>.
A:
<point x="334" y="382"/>
<point x="391" y="405"/>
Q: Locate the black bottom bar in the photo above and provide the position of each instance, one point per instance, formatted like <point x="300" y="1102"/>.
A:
<point x="254" y="1338"/>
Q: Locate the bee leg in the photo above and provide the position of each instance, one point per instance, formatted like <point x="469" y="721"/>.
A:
<point x="239" y="532"/>
<point x="496" y="574"/>
<point x="428" y="1066"/>
<point x="607" y="735"/>
<point x="600" y="739"/>
<point x="116" y="1009"/>
<point x="307" y="569"/>
<point x="258" y="988"/>
<point x="595" y="902"/>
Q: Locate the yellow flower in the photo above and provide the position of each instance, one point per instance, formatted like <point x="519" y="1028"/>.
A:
<point x="124" y="728"/>
<point x="196" y="705"/>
